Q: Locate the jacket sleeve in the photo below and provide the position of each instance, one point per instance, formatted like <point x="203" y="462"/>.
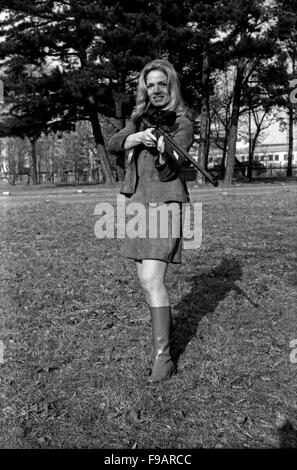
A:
<point x="183" y="136"/>
<point x="116" y="143"/>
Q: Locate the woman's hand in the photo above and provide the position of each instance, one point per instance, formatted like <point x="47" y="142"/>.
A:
<point x="161" y="145"/>
<point x="148" y="138"/>
<point x="161" y="149"/>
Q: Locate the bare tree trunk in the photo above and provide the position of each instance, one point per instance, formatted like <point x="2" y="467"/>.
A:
<point x="100" y="147"/>
<point x="291" y="141"/>
<point x="291" y="124"/>
<point x="250" y="164"/>
<point x="91" y="110"/>
<point x="208" y="141"/>
<point x="252" y="152"/>
<point x="11" y="179"/>
<point x="120" y="99"/>
<point x="34" y="160"/>
<point x="250" y="160"/>
<point x="232" y="137"/>
<point x="203" y="147"/>
<point x="224" y="155"/>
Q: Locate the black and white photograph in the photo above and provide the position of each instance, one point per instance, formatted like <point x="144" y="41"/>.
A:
<point x="148" y="214"/>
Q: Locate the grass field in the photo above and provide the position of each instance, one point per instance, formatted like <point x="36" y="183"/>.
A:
<point x="77" y="338"/>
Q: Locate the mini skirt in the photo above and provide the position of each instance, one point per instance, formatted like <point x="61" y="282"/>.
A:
<point x="155" y="232"/>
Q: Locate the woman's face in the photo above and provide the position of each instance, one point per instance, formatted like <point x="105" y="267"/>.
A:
<point x="157" y="88"/>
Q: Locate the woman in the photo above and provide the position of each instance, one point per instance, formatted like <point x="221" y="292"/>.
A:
<point x="155" y="174"/>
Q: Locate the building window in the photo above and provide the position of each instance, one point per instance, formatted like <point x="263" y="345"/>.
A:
<point x="270" y="158"/>
<point x="285" y="157"/>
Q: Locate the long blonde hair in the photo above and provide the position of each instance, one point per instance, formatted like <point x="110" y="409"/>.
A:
<point x="142" y="102"/>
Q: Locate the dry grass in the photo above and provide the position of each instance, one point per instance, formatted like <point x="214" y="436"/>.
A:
<point x="77" y="333"/>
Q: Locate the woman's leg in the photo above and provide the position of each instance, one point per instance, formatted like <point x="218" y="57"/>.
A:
<point x="151" y="274"/>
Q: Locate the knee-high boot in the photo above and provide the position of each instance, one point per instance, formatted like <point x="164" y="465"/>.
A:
<point x="163" y="366"/>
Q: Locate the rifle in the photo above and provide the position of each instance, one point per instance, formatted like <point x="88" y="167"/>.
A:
<point x="159" y="131"/>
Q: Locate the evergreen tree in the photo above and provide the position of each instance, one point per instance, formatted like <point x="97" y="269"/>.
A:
<point x="31" y="108"/>
<point x="101" y="46"/>
<point x="69" y="32"/>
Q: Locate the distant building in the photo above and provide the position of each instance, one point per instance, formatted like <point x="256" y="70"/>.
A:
<point x="273" y="154"/>
<point x="272" y="150"/>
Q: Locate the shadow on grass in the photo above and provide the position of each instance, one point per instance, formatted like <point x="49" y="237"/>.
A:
<point x="208" y="290"/>
<point x="287" y="436"/>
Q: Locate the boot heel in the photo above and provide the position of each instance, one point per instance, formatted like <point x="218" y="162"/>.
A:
<point x="162" y="371"/>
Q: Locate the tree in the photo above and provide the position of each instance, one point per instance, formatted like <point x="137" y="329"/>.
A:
<point x="262" y="94"/>
<point x="220" y="110"/>
<point x="31" y="111"/>
<point x="136" y="32"/>
<point x="101" y="46"/>
<point x="14" y="158"/>
<point x="67" y="31"/>
<point x="206" y="19"/>
<point x="262" y="99"/>
<point x="287" y="35"/>
<point x="251" y="39"/>
<point x="230" y="36"/>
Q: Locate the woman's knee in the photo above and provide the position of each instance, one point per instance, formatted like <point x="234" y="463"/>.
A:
<point x="150" y="283"/>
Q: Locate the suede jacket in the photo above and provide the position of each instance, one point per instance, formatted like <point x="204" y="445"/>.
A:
<point x="159" y="182"/>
